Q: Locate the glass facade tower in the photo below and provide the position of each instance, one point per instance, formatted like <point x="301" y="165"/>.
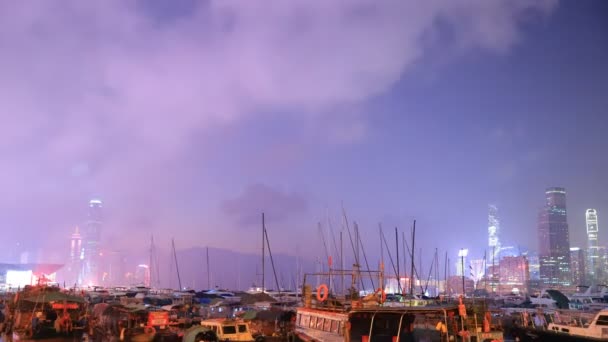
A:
<point x="554" y="240"/>
<point x="594" y="268"/>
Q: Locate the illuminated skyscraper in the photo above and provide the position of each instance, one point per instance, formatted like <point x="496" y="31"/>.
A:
<point x="75" y="246"/>
<point x="493" y="232"/>
<point x="594" y="268"/>
<point x="514" y="274"/>
<point x="577" y="258"/>
<point x="91" y="243"/>
<point x="74" y="267"/>
<point x="554" y="240"/>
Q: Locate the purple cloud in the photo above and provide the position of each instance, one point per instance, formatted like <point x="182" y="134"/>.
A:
<point x="247" y="208"/>
<point x="99" y="97"/>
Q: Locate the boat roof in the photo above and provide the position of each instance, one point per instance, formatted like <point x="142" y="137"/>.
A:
<point x="223" y="321"/>
<point x="387" y="309"/>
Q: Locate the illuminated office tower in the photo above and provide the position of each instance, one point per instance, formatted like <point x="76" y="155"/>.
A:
<point x="554" y="240"/>
<point x="577" y="259"/>
<point x="76" y="255"/>
<point x="594" y="268"/>
<point x="493" y="232"/>
<point x="91" y="243"/>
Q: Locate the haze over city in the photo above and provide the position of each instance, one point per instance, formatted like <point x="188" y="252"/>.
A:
<point x="188" y="119"/>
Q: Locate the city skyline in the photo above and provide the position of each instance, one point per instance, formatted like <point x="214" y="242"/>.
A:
<point x="189" y="119"/>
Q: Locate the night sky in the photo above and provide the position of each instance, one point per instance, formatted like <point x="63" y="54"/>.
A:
<point x="190" y="118"/>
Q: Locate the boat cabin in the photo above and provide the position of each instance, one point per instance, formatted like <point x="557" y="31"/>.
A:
<point x="596" y="329"/>
<point x="232" y="330"/>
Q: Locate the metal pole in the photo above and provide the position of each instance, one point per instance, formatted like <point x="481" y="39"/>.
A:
<point x="263" y="252"/>
<point x="462" y="267"/>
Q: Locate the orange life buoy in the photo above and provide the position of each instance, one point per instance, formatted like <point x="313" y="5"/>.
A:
<point x="322" y="297"/>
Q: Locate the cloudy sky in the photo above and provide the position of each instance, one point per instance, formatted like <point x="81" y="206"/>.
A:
<point x="190" y="118"/>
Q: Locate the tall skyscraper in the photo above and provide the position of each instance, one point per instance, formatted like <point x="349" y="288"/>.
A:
<point x="76" y="255"/>
<point x="91" y="242"/>
<point x="593" y="256"/>
<point x="577" y="258"/>
<point x="495" y="247"/>
<point x="554" y="240"/>
<point x="493" y="232"/>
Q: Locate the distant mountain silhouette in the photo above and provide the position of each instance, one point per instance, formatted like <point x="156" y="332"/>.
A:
<point x="228" y="269"/>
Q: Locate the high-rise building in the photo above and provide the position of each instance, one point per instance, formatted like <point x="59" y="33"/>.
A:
<point x="577" y="260"/>
<point x="554" y="240"/>
<point x="493" y="232"/>
<point x="74" y="269"/>
<point x="91" y="243"/>
<point x="593" y="256"/>
<point x="514" y="274"/>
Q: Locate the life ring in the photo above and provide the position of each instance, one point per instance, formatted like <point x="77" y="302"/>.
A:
<point x="325" y="290"/>
<point x="382" y="295"/>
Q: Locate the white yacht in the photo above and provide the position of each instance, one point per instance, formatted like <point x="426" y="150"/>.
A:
<point x="596" y="330"/>
<point x="590" y="298"/>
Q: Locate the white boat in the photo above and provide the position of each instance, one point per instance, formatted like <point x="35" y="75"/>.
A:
<point x="592" y="298"/>
<point x="550" y="299"/>
<point x="227" y="296"/>
<point x="596" y="330"/>
<point x="512" y="299"/>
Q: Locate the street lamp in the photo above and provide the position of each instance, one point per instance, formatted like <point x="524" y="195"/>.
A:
<point x="462" y="254"/>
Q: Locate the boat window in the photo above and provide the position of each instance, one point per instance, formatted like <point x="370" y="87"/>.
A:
<point x="305" y="321"/>
<point x="229" y="329"/>
<point x="319" y="323"/>
<point x="242" y="328"/>
<point x="313" y="321"/>
<point x="602" y="320"/>
<point x="327" y="324"/>
<point x="334" y="326"/>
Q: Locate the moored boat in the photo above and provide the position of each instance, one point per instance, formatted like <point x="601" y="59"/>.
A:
<point x="576" y="330"/>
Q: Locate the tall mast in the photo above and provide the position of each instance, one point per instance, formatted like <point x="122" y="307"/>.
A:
<point x="208" y="271"/>
<point x="412" y="265"/>
<point x="403" y="246"/>
<point x="445" y="273"/>
<point x="263" y="251"/>
<point x="274" y="271"/>
<point x="342" y="264"/>
<point x="150" y="266"/>
<point x="397" y="249"/>
<point x="179" y="279"/>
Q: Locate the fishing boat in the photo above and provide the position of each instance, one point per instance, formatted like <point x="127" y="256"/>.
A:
<point x="45" y="311"/>
<point x="367" y="319"/>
